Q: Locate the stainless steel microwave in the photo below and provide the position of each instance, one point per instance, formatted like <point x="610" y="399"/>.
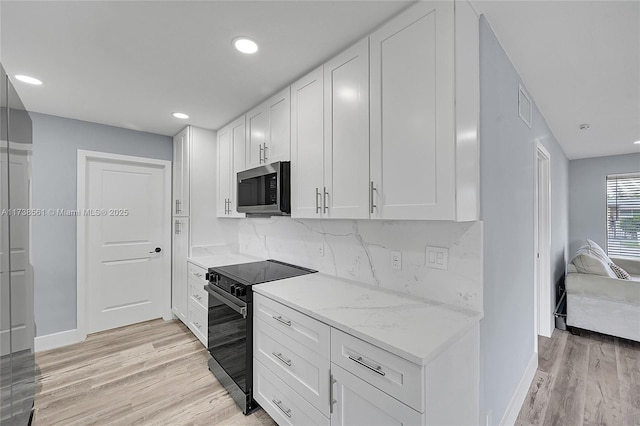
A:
<point x="265" y="190"/>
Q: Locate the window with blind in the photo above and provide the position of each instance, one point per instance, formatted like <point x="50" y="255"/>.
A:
<point x="623" y="215"/>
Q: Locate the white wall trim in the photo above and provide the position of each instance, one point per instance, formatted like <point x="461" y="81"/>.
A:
<point x="513" y="409"/>
<point x="81" y="236"/>
<point x="58" y="340"/>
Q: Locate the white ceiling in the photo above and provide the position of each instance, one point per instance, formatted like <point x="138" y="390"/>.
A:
<point x="131" y="64"/>
<point x="580" y="61"/>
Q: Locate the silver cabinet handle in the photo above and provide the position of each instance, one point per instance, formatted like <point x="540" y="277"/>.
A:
<point x="282" y="408"/>
<point x="265" y="152"/>
<point x="178" y="206"/>
<point x="324" y="199"/>
<point x="261" y="150"/>
<point x="197" y="297"/>
<point x="283" y="321"/>
<point x="197" y="324"/>
<point x="226" y="206"/>
<point x="317" y="203"/>
<point x="371" y="191"/>
<point x="281" y="358"/>
<point x="177" y="231"/>
<point x="197" y="274"/>
<point x="374" y="368"/>
<point x="332" y="401"/>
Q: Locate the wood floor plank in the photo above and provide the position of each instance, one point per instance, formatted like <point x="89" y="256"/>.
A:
<point x="602" y="406"/>
<point x="589" y="379"/>
<point x="567" y="399"/>
<point x="153" y="373"/>
<point x="535" y="405"/>
<point x="628" y="364"/>
<point x="550" y="353"/>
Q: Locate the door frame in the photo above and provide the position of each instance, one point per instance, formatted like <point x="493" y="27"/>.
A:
<point x="543" y="315"/>
<point x="83" y="157"/>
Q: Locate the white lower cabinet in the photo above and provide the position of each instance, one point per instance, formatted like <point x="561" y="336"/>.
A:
<point x="197" y="302"/>
<point x="309" y="373"/>
<point x="359" y="403"/>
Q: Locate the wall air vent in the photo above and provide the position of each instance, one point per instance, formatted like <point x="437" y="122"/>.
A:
<point x="525" y="109"/>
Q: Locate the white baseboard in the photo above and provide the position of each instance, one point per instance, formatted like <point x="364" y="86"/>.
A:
<point x="513" y="409"/>
<point x="58" y="340"/>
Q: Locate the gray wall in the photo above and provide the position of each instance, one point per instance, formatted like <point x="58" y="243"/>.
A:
<point x="55" y="144"/>
<point x="507" y="156"/>
<point x="588" y="196"/>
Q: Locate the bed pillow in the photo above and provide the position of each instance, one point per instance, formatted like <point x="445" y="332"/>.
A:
<point x="587" y="263"/>
<point x="620" y="273"/>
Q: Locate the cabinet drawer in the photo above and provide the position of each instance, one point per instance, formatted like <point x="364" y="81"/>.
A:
<point x="281" y="402"/>
<point x="197" y="321"/>
<point x="197" y="273"/>
<point x="197" y="294"/>
<point x="388" y="372"/>
<point x="301" y="328"/>
<point x="301" y="368"/>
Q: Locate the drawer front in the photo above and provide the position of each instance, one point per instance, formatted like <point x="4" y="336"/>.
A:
<point x="197" y="294"/>
<point x="197" y="322"/>
<point x="301" y="328"/>
<point x="197" y="273"/>
<point x="390" y="373"/>
<point x="281" y="402"/>
<point x="302" y="369"/>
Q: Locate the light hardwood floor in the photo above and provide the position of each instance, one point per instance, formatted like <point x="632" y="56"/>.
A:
<point x="591" y="379"/>
<point x="152" y="373"/>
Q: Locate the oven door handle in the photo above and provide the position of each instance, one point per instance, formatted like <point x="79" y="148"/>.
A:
<point x="222" y="296"/>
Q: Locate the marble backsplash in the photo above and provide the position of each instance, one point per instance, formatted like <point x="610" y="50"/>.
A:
<point x="361" y="250"/>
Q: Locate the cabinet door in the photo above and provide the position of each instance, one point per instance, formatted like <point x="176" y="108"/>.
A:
<point x="179" y="278"/>
<point x="278" y="146"/>
<point x="224" y="171"/>
<point x="346" y="85"/>
<point x="237" y="160"/>
<point x="359" y="403"/>
<point x="257" y="128"/>
<point x="412" y="115"/>
<point x="181" y="173"/>
<point x="307" y="149"/>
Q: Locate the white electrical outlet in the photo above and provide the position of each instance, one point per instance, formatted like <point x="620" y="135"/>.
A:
<point x="321" y="249"/>
<point x="437" y="257"/>
<point x="396" y="260"/>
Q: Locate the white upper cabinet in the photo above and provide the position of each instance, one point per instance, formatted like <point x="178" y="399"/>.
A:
<point x="346" y="134"/>
<point x="307" y="145"/>
<point x="417" y="170"/>
<point x="231" y="160"/>
<point x="181" y="141"/>
<point x="268" y="131"/>
<point x="330" y="138"/>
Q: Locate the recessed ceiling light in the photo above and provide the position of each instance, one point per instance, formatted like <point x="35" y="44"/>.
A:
<point x="180" y="115"/>
<point x="584" y="126"/>
<point x="28" y="80"/>
<point x="637" y="142"/>
<point x="245" y="45"/>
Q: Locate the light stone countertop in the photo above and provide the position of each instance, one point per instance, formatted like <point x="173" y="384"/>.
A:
<point x="412" y="328"/>
<point x="211" y="261"/>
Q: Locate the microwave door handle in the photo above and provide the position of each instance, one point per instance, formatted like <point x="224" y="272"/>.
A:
<point x="222" y="296"/>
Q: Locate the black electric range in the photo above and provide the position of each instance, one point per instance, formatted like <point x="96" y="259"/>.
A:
<point x="230" y="322"/>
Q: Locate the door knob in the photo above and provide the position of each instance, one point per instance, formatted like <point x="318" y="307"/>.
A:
<point x="157" y="250"/>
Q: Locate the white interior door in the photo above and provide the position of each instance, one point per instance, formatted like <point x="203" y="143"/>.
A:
<point x="127" y="280"/>
<point x="542" y="293"/>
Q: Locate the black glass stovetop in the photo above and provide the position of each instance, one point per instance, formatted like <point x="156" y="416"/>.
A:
<point x="260" y="272"/>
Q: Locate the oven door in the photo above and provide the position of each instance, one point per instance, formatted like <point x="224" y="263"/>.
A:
<point x="229" y="337"/>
